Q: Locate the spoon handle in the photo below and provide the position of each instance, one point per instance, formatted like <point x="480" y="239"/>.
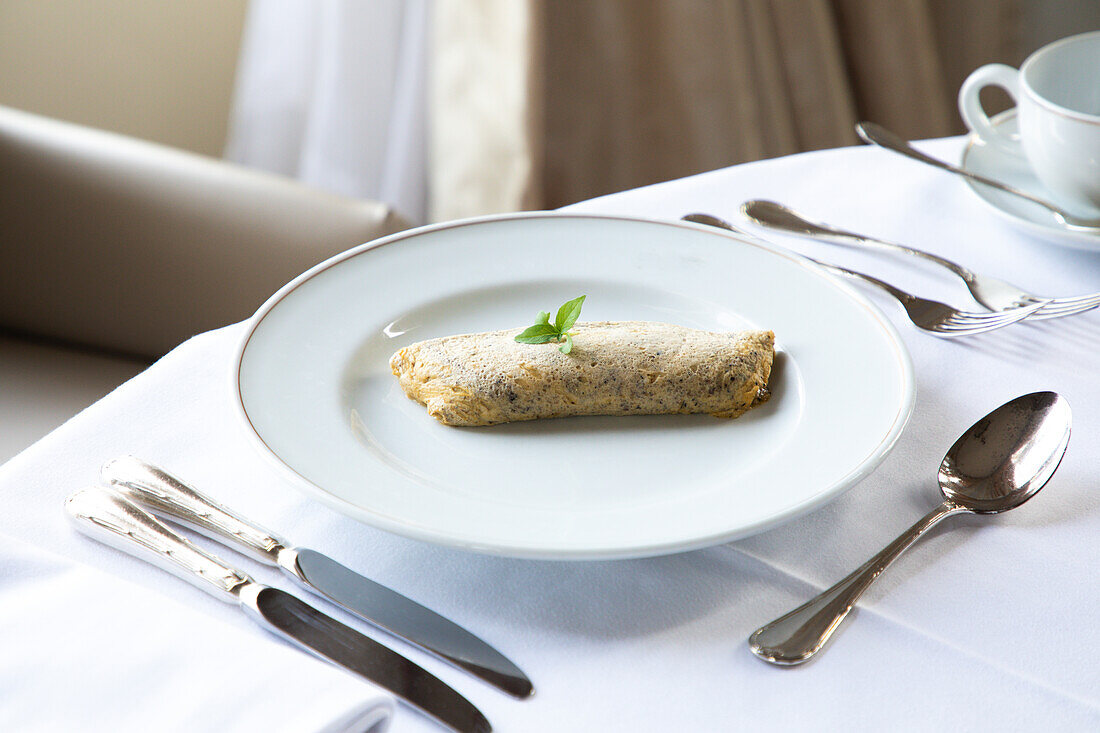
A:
<point x="876" y="135"/>
<point x="797" y="636"/>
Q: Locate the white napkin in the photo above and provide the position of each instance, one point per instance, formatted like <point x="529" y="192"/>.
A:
<point x="82" y="650"/>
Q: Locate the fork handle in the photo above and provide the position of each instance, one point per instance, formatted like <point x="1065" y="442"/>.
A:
<point x="160" y="491"/>
<point x="777" y="216"/>
<point x="901" y="295"/>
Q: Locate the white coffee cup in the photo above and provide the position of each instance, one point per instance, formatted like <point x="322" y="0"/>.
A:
<point x="1057" y="94"/>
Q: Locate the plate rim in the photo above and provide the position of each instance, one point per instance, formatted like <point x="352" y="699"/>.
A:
<point x="303" y="484"/>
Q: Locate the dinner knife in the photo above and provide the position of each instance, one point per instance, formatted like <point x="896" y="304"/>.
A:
<point x="160" y="492"/>
<point x="114" y="520"/>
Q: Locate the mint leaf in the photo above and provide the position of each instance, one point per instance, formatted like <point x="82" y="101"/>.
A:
<point x="541" y="339"/>
<point x="567" y="346"/>
<point x="544" y="331"/>
<point x="568" y="314"/>
<point x="539" y="333"/>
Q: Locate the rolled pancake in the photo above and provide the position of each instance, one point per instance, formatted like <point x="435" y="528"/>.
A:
<point x="615" y="368"/>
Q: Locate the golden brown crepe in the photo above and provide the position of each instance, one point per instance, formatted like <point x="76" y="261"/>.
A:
<point x="614" y="368"/>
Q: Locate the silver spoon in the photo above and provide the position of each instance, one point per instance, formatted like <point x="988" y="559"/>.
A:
<point x="998" y="464"/>
<point x="878" y="135"/>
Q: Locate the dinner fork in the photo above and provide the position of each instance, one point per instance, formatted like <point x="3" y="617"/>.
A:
<point x="932" y="316"/>
<point x="939" y="318"/>
<point x="991" y="292"/>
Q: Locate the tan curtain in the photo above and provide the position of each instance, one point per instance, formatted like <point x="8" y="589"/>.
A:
<point x="540" y="103"/>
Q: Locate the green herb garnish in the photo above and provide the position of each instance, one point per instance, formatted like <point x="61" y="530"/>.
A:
<point x="544" y="331"/>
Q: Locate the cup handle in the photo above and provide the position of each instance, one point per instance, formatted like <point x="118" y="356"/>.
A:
<point x="970" y="104"/>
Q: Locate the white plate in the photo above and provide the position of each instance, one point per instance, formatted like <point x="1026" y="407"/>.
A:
<point x="313" y="384"/>
<point x="991" y="162"/>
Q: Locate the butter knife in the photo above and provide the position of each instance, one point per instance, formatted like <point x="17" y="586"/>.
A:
<point x="114" y="520"/>
<point x="160" y="492"/>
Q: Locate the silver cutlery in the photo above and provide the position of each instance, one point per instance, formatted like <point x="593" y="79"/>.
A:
<point x="715" y="221"/>
<point x="1000" y="462"/>
<point x="932" y="316"/>
<point x="116" y="521"/>
<point x="874" y="134"/>
<point x="160" y="492"/>
<point x="994" y="294"/>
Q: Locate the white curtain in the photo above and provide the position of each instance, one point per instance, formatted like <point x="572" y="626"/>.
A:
<point x="333" y="93"/>
<point x="451" y="108"/>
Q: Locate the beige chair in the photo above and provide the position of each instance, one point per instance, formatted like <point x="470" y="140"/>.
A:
<point x="113" y="250"/>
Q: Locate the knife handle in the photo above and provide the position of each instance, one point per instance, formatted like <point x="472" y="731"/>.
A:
<point x="116" y="521"/>
<point x="160" y="491"/>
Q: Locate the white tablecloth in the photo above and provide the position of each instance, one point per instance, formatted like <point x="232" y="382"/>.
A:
<point x="990" y="625"/>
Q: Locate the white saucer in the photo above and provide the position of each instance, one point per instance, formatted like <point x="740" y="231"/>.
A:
<point x="992" y="162"/>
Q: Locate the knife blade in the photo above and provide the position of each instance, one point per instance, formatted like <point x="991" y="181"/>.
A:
<point x="113" y="519"/>
<point x="161" y="492"/>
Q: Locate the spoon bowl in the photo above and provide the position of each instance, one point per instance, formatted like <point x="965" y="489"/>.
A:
<point x="1007" y="456"/>
<point x="1000" y="462"/>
